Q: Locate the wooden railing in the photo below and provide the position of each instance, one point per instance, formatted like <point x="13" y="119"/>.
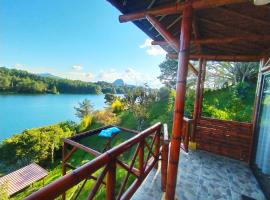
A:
<point x="187" y="125"/>
<point x="148" y="155"/>
<point x="227" y="138"/>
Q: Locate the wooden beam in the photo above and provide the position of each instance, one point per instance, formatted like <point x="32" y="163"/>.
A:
<point x="233" y="29"/>
<point x="200" y="105"/>
<point x="178" y="8"/>
<point x="197" y="100"/>
<point x="243" y="58"/>
<point x="80" y="146"/>
<point x="196" y="31"/>
<point x="222" y="40"/>
<point x="179" y="104"/>
<point x="193" y="69"/>
<point x="168" y="37"/>
<point x="245" y="16"/>
<point x="163" y="32"/>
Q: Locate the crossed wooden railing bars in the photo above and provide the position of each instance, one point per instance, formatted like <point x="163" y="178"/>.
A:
<point x="147" y="156"/>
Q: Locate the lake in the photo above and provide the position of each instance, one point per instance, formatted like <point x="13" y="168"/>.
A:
<point x="20" y="112"/>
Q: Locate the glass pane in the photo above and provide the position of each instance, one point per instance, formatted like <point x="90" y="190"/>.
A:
<point x="262" y="156"/>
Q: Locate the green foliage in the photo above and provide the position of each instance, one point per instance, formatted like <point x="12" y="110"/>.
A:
<point x="85" y="123"/>
<point x="109" y="98"/>
<point x="168" y="69"/>
<point x="3" y="191"/>
<point x="138" y="101"/>
<point x="33" y="145"/>
<point x="105" y="117"/>
<point x="84" y="109"/>
<point x="231" y="103"/>
<point x="19" y="81"/>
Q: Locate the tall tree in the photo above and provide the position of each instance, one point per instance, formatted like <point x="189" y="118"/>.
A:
<point x="231" y="73"/>
<point x="218" y="74"/>
<point x="84" y="109"/>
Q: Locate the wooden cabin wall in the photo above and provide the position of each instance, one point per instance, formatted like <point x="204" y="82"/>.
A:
<point x="226" y="138"/>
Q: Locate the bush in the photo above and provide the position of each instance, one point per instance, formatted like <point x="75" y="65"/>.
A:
<point x="117" y="106"/>
<point x="33" y="145"/>
<point x="211" y="111"/>
<point x="106" y="117"/>
<point x="85" y="123"/>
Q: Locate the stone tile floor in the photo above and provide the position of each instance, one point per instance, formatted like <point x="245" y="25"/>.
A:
<point x="205" y="176"/>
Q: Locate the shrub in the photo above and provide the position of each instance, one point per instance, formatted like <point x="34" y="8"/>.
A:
<point x="85" y="123"/>
<point x="117" y="106"/>
<point x="211" y="111"/>
<point x="106" y="117"/>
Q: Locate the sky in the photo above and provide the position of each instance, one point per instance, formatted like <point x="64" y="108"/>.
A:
<point x="80" y="40"/>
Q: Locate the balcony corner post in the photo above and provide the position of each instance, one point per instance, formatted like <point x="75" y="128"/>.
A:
<point x="183" y="59"/>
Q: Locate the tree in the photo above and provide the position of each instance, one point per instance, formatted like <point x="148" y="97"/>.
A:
<point x="85" y="109"/>
<point x="168" y="69"/>
<point x="3" y="190"/>
<point x="231" y="73"/>
<point x="218" y="74"/>
<point x="138" y="102"/>
<point x="109" y="98"/>
<point x="4" y="82"/>
<point x="54" y="90"/>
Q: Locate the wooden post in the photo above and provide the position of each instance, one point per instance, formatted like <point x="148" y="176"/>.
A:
<point x="141" y="158"/>
<point x="64" y="149"/>
<point x="111" y="180"/>
<point x="179" y="102"/>
<point x="197" y="101"/>
<point x="201" y="89"/>
<point x="157" y="144"/>
<point x="164" y="158"/>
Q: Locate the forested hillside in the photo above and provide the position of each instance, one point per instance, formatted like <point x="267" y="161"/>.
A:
<point x="19" y="81"/>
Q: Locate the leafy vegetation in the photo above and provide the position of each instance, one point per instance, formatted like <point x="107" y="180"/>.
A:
<point x="229" y="95"/>
<point x="34" y="145"/>
<point x="19" y="81"/>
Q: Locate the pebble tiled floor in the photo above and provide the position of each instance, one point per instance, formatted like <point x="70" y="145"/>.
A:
<point x="205" y="176"/>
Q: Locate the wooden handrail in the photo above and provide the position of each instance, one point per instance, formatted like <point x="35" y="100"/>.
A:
<point x="164" y="157"/>
<point x="66" y="182"/>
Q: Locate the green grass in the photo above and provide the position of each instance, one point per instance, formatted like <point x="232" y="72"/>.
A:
<point x="79" y="158"/>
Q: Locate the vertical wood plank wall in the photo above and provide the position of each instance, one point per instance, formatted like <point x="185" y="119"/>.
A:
<point x="227" y="138"/>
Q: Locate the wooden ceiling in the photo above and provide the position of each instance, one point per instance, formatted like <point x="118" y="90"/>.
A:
<point x="233" y="29"/>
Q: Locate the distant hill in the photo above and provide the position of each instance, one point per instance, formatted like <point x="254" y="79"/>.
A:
<point x="19" y="81"/>
<point x="48" y="75"/>
<point x="118" y="82"/>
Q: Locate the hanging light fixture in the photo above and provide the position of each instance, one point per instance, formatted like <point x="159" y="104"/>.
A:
<point x="261" y="2"/>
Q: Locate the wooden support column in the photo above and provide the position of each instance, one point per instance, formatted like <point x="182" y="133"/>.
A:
<point x="141" y="158"/>
<point x="64" y="149"/>
<point x="197" y="100"/>
<point x="179" y="102"/>
<point x="111" y="180"/>
<point x="203" y="72"/>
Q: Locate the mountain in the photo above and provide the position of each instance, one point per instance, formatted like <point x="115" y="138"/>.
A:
<point x="48" y="75"/>
<point x="118" y="82"/>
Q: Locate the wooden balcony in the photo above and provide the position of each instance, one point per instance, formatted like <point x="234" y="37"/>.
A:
<point x="203" y="175"/>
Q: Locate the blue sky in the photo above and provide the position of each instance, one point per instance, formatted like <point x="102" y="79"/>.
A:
<point x="77" y="40"/>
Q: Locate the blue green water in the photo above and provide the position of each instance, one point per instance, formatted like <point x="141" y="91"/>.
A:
<point x="20" y="112"/>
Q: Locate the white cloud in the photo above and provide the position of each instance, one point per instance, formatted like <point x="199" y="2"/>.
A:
<point x="77" y="67"/>
<point x="75" y="74"/>
<point x="130" y="76"/>
<point x="151" y="49"/>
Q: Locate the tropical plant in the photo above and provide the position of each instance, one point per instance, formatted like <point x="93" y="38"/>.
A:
<point x="84" y="109"/>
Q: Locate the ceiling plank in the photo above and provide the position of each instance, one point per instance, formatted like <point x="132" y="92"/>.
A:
<point x="177" y="8"/>
<point x="246" y="58"/>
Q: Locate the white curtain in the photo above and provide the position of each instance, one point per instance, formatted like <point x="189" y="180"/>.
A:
<point x="263" y="148"/>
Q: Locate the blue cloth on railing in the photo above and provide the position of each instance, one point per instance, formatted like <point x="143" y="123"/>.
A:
<point x="109" y="132"/>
